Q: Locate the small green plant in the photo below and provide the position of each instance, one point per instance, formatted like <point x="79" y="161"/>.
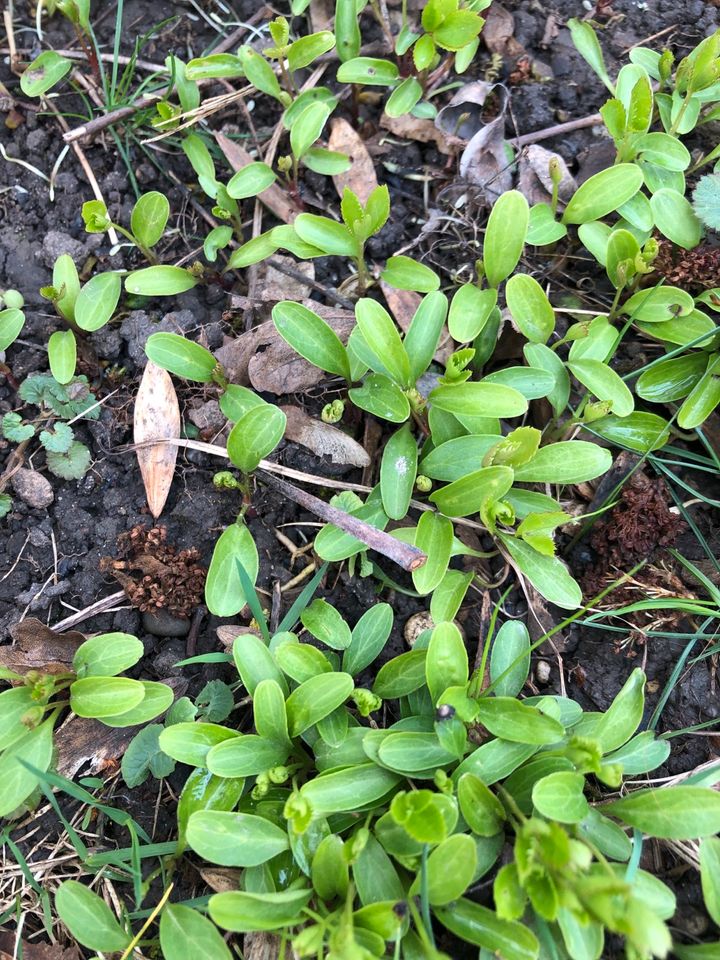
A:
<point x="91" y="687"/>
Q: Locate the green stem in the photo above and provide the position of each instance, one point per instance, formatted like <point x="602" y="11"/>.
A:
<point x="678" y="119"/>
<point x="145" y="251"/>
<point x="425" y="895"/>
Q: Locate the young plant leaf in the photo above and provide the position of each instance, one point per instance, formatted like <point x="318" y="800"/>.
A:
<point x="161" y="281"/>
<point x="62" y="354"/>
<point x="255" y="435"/>
<point x="398" y="469"/>
<point x="311" y="337"/>
<point x="186" y="932"/>
<point x="149" y="218"/>
<point x="224" y="594"/>
<point x="603" y="193"/>
<point x="88" y="918"/>
<point x="505" y="236"/>
<point x="182" y="357"/>
<point x="530" y="308"/>
<point x="97" y="301"/>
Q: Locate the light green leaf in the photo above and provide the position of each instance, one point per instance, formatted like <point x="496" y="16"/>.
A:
<point x="530" y="308"/>
<point x="250" y="181"/>
<point x="675" y="218"/>
<point x="505" y="236"/>
<point x="255" y="435"/>
<point x="398" y="469"/>
<point x="160" y="281"/>
<point x="149" y="218"/>
<point x="559" y="796"/>
<point x="602" y="381"/>
<point x="234" y="839"/>
<point x="180" y="356"/>
<point x="88" y="918"/>
<point x="97" y="301"/>
<point x="105" y="696"/>
<point x="311" y="337"/>
<point x="548" y="575"/>
<point x="603" y="193"/>
<point x="672" y="813"/>
<point x="224" y="593"/>
<point x="185" y="932"/>
<point x="62" y="354"/>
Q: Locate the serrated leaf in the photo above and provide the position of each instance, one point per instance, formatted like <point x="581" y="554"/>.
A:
<point x="144" y="749"/>
<point x="15" y="430"/>
<point x="72" y="464"/>
<point x="59" y="439"/>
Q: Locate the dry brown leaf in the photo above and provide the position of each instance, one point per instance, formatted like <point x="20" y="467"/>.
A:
<point x="12" y="948"/>
<point x="221" y="879"/>
<point x="157" y="417"/>
<point x="498" y="32"/>
<point x="261" y="358"/>
<point x="423" y="131"/>
<point x="534" y="175"/>
<point x="361" y="177"/>
<point x="38" y="647"/>
<point x="274" y="198"/>
<point x="486" y="159"/>
<point x="274" y="285"/>
<point x="323" y="439"/>
<point x="227" y="633"/>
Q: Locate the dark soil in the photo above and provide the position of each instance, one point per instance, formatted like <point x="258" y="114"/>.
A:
<point x="51" y="559"/>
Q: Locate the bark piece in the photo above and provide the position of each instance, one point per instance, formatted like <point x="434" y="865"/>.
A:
<point x="361" y="177"/>
<point x="323" y="439"/>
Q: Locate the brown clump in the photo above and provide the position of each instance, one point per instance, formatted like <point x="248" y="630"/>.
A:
<point x="692" y="269"/>
<point x="156" y="576"/>
<point x="636" y="528"/>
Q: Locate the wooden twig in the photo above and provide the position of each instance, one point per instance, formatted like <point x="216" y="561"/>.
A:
<point x="100" y="606"/>
<point x="404" y="554"/>
<point x="556" y="131"/>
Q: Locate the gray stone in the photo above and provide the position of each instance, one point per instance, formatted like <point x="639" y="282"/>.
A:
<point x="55" y="243"/>
<point x="139" y="325"/>
<point x="33" y="488"/>
<point x="163" y="624"/>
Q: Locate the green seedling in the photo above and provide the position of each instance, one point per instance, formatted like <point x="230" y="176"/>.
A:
<point x="91" y="687"/>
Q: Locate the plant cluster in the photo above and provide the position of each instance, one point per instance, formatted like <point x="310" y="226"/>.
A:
<point x="363" y="818"/>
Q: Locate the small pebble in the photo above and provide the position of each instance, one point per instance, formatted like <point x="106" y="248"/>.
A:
<point x="542" y="671"/>
<point x="163" y="624"/>
<point x="32" y="487"/>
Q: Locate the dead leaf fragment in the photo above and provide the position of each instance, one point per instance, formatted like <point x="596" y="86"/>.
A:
<point x="423" y="131"/>
<point x="228" y="633"/>
<point x="38" y="647"/>
<point x="273" y="285"/>
<point x="274" y="198"/>
<point x="534" y="175"/>
<point x="323" y="439"/>
<point x="361" y="177"/>
<point x="498" y="33"/>
<point x="261" y="358"/>
<point x="12" y="947"/>
<point x="157" y="417"/>
<point x="221" y="879"/>
<point x="486" y="160"/>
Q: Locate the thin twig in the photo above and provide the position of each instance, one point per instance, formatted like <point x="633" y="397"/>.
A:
<point x="404" y="554"/>
<point x="555" y="131"/>
<point x="100" y="606"/>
